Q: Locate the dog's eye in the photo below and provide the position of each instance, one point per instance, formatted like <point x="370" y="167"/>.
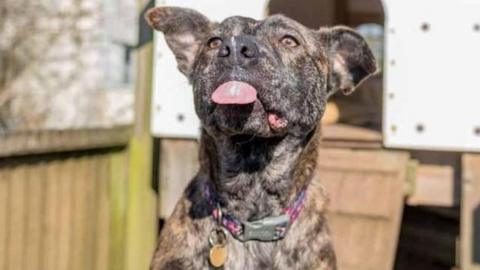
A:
<point x="214" y="43"/>
<point x="289" y="41"/>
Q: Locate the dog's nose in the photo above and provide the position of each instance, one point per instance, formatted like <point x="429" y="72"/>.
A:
<point x="239" y="50"/>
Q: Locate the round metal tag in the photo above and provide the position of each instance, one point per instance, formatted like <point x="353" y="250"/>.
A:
<point x="218" y="255"/>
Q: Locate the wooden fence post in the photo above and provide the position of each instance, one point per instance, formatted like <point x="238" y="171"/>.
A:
<point x="118" y="189"/>
<point x="141" y="227"/>
<point x="470" y="213"/>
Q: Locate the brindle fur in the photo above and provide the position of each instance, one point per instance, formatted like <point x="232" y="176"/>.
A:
<point x="257" y="170"/>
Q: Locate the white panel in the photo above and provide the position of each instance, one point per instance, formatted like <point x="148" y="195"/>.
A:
<point x="432" y="90"/>
<point x="172" y="106"/>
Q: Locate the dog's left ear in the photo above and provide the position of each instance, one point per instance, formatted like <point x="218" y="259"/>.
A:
<point x="184" y="30"/>
<point x="350" y="59"/>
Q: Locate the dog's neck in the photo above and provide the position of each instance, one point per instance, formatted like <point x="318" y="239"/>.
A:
<point x="257" y="177"/>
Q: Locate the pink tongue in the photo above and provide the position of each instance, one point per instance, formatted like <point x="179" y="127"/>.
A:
<point x="234" y="92"/>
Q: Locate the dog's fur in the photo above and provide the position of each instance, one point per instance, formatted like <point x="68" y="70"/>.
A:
<point x="255" y="169"/>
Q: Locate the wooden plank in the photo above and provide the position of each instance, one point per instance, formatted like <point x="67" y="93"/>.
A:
<point x="366" y="191"/>
<point x="91" y="210"/>
<point x="361" y="206"/>
<point x="4" y="215"/>
<point x="434" y="186"/>
<point x="342" y="132"/>
<point x="35" y="203"/>
<point x="66" y="213"/>
<point x="470" y="213"/>
<point x="16" y="236"/>
<point x="348" y="160"/>
<point x="355" y="230"/>
<point x="178" y="165"/>
<point x="50" y="141"/>
<point x="80" y="219"/>
<point x="102" y="231"/>
<point x="118" y="190"/>
<point x="371" y="203"/>
<point x="50" y="217"/>
<point x="352" y="144"/>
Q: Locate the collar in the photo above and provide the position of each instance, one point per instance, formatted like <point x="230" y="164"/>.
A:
<point x="266" y="229"/>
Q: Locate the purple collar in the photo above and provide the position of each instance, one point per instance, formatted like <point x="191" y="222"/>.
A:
<point x="266" y="229"/>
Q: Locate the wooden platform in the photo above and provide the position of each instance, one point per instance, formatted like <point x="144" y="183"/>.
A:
<point x="347" y="136"/>
<point x="366" y="191"/>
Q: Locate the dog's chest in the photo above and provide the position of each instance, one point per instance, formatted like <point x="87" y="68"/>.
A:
<point x="242" y="256"/>
<point x="250" y="255"/>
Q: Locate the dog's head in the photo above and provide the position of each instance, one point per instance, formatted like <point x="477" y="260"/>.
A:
<point x="264" y="78"/>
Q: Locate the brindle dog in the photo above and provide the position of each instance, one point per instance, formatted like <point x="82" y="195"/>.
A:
<point x="260" y="89"/>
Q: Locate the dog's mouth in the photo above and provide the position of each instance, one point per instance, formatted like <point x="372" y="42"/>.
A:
<point x="237" y="97"/>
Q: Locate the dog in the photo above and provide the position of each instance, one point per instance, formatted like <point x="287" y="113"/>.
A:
<point x="260" y="89"/>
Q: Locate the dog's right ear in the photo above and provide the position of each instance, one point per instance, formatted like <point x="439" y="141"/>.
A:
<point x="184" y="30"/>
<point x="351" y="60"/>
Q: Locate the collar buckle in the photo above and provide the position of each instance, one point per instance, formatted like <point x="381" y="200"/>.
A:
<point x="267" y="229"/>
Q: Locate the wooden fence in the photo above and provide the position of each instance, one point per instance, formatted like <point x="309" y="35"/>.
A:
<point x="64" y="200"/>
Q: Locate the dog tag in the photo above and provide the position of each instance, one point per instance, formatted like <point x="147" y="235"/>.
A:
<point x="218" y="255"/>
<point x="218" y="248"/>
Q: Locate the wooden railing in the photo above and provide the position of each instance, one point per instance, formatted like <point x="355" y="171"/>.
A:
<point x="51" y="141"/>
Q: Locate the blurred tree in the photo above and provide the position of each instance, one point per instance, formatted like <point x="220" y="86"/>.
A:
<point x="56" y="57"/>
<point x="20" y="28"/>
